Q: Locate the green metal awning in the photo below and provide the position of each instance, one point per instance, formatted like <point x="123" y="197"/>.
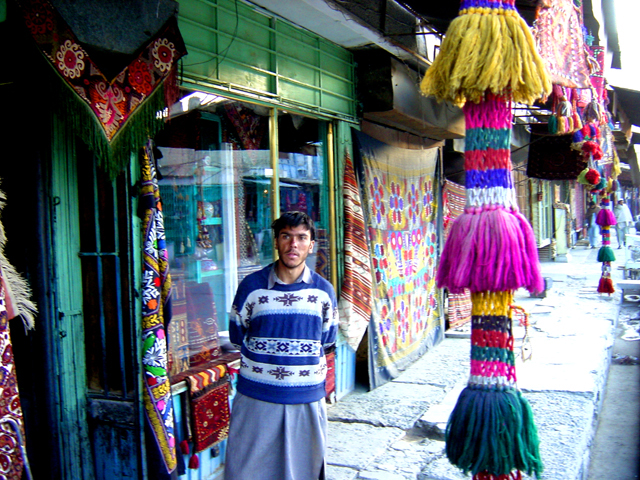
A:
<point x="239" y="50"/>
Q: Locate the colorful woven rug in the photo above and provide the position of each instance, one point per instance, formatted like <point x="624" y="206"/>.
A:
<point x="356" y="292"/>
<point x="323" y="267"/>
<point x="400" y="206"/>
<point x="156" y="312"/>
<point x="209" y="405"/>
<point x="453" y="201"/>
<point x="111" y="102"/>
<point x="558" y="34"/>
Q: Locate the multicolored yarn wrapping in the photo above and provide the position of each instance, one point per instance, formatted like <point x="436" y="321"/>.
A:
<point x="491" y="246"/>
<point x="606" y="219"/>
<point x="487" y="60"/>
<point x="491" y="414"/>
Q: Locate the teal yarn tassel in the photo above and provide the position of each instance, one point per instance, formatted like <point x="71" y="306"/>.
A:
<point x="492" y="430"/>
<point x="606" y="254"/>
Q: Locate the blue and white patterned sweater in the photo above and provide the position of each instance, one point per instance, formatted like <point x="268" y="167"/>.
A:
<point x="282" y="331"/>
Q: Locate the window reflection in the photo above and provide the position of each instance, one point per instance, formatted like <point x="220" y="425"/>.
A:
<point x="302" y="179"/>
<point x="215" y="187"/>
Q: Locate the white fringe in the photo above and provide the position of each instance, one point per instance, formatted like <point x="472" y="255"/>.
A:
<point x="17" y="289"/>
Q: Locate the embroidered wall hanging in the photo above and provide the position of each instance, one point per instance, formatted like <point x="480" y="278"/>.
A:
<point x="12" y="463"/>
<point x="355" y="295"/>
<point x="156" y="312"/>
<point x="116" y="115"/>
<point x="400" y="204"/>
<point x="488" y="60"/>
<point x="559" y="39"/>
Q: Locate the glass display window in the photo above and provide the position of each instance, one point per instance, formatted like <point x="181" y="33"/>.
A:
<point x="216" y="177"/>
<point x="303" y="185"/>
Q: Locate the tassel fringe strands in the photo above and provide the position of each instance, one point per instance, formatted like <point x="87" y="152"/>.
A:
<point x="491" y="432"/>
<point x="487" y="48"/>
<point x="491" y="246"/>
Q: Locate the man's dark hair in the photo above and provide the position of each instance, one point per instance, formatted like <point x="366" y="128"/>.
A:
<point x="294" y="219"/>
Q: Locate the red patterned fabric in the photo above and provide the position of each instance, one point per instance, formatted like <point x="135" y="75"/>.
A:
<point x="558" y="34"/>
<point x="356" y="294"/>
<point x="112" y="100"/>
<point x="210" y="415"/>
<point x="11" y="461"/>
<point x="330" y="385"/>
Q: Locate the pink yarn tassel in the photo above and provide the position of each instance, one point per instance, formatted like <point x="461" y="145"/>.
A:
<point x="606" y="217"/>
<point x="490" y="249"/>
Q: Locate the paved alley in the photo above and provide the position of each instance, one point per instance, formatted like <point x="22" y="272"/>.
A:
<point x="396" y="432"/>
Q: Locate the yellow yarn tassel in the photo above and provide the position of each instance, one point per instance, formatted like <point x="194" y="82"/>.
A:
<point x="487" y="50"/>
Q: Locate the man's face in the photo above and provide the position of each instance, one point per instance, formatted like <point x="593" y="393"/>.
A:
<point x="294" y="245"/>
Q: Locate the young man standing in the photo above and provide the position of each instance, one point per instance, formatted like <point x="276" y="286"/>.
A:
<point x="285" y="316"/>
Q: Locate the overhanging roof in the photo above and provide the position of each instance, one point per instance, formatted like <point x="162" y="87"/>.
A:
<point x="629" y="101"/>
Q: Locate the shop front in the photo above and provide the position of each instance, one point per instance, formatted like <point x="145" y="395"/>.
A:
<point x="261" y="126"/>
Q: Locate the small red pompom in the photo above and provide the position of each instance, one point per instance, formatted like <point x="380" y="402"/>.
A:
<point x="194" y="462"/>
<point x="592" y="176"/>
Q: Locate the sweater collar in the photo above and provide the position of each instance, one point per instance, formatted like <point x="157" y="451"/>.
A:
<point x="273" y="278"/>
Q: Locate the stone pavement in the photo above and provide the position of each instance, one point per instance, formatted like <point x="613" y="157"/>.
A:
<point x="396" y="432"/>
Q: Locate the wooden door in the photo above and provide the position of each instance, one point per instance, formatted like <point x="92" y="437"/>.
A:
<point x="95" y="234"/>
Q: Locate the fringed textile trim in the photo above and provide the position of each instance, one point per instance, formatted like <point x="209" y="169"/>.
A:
<point x="491" y="432"/>
<point x="114" y="116"/>
<point x="492" y="303"/>
<point x="487" y="153"/>
<point x="490" y="249"/>
<point x="17" y="291"/>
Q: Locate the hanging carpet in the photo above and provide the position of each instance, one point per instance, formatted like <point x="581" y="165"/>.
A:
<point x="559" y="38"/>
<point x="551" y="156"/>
<point x="400" y="211"/>
<point x="355" y="295"/>
<point x="209" y="406"/>
<point x="102" y="110"/>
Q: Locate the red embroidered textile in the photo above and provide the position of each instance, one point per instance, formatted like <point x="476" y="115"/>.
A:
<point x="112" y="100"/>
<point x="558" y="34"/>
